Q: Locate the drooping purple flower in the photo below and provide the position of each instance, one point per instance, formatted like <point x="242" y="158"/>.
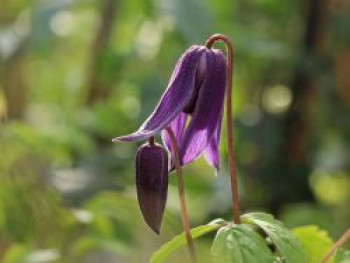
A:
<point x="152" y="183"/>
<point x="192" y="107"/>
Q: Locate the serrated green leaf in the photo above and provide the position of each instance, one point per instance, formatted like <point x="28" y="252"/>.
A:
<point x="225" y="247"/>
<point x="218" y="221"/>
<point x="316" y="242"/>
<point x="180" y="240"/>
<point x="240" y="244"/>
<point x="286" y="243"/>
<point x="342" y="256"/>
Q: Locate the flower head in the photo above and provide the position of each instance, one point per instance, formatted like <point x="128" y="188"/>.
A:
<point x="192" y="107"/>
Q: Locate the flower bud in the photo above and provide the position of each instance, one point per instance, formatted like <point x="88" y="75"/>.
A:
<point x="152" y="183"/>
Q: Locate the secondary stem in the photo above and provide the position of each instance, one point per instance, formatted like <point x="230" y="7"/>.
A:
<point x="180" y="184"/>
<point x="152" y="141"/>
<point x="337" y="244"/>
<point x="229" y="125"/>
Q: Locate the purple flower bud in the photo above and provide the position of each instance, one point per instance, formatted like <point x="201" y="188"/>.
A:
<point x="152" y="183"/>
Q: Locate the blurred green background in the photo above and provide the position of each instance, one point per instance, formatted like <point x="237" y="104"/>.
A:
<point x="74" y="74"/>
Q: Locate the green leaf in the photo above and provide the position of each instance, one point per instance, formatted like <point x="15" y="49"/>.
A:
<point x="316" y="242"/>
<point x="240" y="244"/>
<point x="180" y="240"/>
<point x="218" y="221"/>
<point x="342" y="256"/>
<point x="286" y="243"/>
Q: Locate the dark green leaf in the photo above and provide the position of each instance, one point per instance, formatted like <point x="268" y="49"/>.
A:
<point x="286" y="243"/>
<point x="240" y="244"/>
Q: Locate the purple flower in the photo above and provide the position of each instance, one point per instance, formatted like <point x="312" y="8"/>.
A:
<point x="152" y="183"/>
<point x="192" y="106"/>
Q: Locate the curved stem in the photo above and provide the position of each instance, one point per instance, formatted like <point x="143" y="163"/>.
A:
<point x="337" y="244"/>
<point x="230" y="144"/>
<point x="184" y="213"/>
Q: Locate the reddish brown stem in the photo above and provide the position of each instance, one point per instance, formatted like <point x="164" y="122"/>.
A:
<point x="180" y="184"/>
<point x="229" y="124"/>
<point x="341" y="241"/>
<point x="152" y="141"/>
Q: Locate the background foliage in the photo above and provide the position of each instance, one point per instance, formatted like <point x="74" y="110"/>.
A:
<point x="74" y="74"/>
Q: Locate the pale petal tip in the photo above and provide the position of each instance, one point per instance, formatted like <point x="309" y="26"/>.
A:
<point x="115" y="140"/>
<point x="122" y="139"/>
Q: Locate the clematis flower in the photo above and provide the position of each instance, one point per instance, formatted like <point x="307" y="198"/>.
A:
<point x="191" y="106"/>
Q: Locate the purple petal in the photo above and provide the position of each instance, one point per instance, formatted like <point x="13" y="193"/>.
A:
<point x="177" y="126"/>
<point x="208" y="110"/>
<point x="211" y="152"/>
<point x="175" y="98"/>
<point x="152" y="183"/>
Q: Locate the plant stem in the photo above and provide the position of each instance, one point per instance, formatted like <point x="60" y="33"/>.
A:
<point x="337" y="244"/>
<point x="229" y="124"/>
<point x="98" y="87"/>
<point x="152" y="141"/>
<point x="180" y="184"/>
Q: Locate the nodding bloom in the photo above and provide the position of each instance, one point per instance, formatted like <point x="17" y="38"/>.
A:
<point x="192" y="107"/>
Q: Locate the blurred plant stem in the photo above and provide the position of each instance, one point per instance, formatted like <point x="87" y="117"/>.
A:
<point x="182" y="198"/>
<point x="291" y="163"/>
<point x="342" y="57"/>
<point x="97" y="89"/>
<point x="303" y="87"/>
<point x="230" y="144"/>
<point x="13" y="83"/>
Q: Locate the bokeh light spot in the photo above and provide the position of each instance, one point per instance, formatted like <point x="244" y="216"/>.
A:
<point x="22" y="25"/>
<point x="43" y="256"/>
<point x="62" y="23"/>
<point x="331" y="188"/>
<point x="148" y="39"/>
<point x="83" y="216"/>
<point x="277" y="99"/>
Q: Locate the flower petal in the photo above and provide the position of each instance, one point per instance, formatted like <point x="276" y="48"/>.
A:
<point x="211" y="152"/>
<point x="175" y="98"/>
<point x="177" y="126"/>
<point x="208" y="111"/>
